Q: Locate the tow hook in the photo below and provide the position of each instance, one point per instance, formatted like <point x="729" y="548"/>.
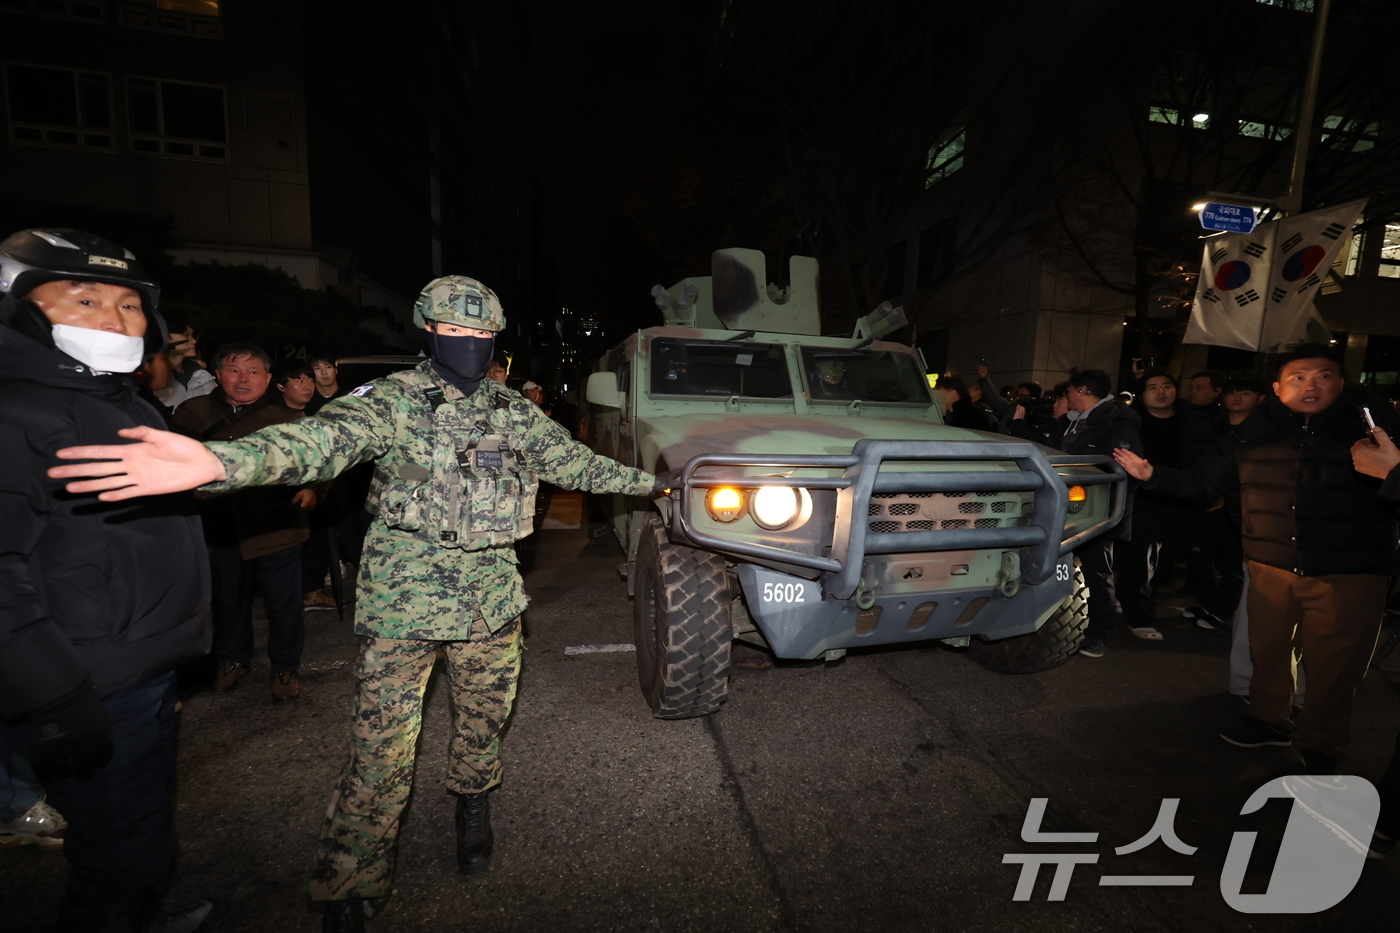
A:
<point x="865" y="596"/>
<point x="1009" y="577"/>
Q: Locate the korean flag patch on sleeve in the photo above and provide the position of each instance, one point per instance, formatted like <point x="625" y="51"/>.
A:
<point x="363" y="390"/>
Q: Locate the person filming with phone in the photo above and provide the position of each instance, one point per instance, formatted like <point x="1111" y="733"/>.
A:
<point x="1320" y="543"/>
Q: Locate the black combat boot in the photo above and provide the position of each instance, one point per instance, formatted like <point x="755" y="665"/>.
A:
<point x="347" y="916"/>
<point x="474" y="838"/>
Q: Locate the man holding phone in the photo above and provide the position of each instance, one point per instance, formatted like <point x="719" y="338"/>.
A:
<point x="1320" y="544"/>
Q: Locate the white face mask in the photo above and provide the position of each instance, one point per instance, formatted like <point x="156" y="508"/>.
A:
<point x="102" y="350"/>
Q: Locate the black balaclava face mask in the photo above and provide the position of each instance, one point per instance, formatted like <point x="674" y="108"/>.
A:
<point x="462" y="361"/>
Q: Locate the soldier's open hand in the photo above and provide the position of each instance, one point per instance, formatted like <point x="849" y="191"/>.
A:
<point x="1132" y="464"/>
<point x="159" y="462"/>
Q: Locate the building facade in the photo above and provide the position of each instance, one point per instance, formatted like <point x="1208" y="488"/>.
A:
<point x="1056" y="231"/>
<point x="198" y="111"/>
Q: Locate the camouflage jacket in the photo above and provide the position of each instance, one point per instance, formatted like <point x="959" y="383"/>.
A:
<point x="454" y="486"/>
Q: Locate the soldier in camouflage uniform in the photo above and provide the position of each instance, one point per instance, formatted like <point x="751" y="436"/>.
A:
<point x="457" y="461"/>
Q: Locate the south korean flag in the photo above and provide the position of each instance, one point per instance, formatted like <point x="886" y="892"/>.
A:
<point x="1229" y="306"/>
<point x="1308" y="244"/>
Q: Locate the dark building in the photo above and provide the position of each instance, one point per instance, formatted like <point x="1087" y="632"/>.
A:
<point x="359" y="149"/>
<point x="1056" y="229"/>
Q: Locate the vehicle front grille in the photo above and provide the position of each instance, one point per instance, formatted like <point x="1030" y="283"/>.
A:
<point x="892" y="512"/>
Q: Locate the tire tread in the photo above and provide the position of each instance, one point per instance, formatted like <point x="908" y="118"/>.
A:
<point x="693" y="594"/>
<point x="1054" y="643"/>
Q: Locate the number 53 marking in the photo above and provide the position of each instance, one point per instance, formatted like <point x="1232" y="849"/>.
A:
<point x="1063" y="572"/>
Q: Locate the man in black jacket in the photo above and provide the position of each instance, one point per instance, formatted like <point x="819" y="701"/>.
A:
<point x="1174" y="434"/>
<point x="98" y="601"/>
<point x="1379" y="457"/>
<point x="1320" y="544"/>
<point x="1098" y="424"/>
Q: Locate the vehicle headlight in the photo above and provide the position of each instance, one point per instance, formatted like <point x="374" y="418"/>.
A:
<point x="775" y="507"/>
<point x="724" y="503"/>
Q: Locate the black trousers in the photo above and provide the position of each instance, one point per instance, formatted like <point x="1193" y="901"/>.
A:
<point x="120" y="842"/>
<point x="316" y="552"/>
<point x="1096" y="561"/>
<point x="1389" y="787"/>
<point x="1160" y="536"/>
<point x="277" y="579"/>
<point x="1215" y="564"/>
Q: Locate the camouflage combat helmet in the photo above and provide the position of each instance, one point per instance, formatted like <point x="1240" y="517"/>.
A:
<point x="456" y="299"/>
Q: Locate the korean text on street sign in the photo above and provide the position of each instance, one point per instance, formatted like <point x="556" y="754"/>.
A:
<point x="1235" y="218"/>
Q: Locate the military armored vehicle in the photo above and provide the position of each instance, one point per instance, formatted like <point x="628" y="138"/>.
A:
<point x="818" y="502"/>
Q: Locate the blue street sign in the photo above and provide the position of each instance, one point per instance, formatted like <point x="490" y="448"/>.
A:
<point x="1235" y="218"/>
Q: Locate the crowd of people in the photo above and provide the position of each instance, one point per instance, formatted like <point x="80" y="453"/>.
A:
<point x="111" y="587"/>
<point x="1279" y="497"/>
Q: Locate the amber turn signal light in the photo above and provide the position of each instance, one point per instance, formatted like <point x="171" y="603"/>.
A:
<point x="724" y="503"/>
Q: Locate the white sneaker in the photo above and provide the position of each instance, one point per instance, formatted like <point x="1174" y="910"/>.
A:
<point x="41" y="825"/>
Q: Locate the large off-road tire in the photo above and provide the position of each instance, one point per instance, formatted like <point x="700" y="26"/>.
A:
<point x="1049" y="646"/>
<point x="683" y="629"/>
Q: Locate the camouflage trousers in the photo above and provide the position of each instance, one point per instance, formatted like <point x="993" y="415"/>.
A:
<point x="356" y="855"/>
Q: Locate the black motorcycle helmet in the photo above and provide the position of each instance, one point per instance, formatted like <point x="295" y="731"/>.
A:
<point x="30" y="258"/>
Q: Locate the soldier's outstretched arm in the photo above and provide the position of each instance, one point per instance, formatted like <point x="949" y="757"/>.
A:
<point x="288" y="454"/>
<point x="346" y="431"/>
<point x="563" y="461"/>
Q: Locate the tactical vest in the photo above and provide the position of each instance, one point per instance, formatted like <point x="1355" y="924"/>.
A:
<point x="455" y="476"/>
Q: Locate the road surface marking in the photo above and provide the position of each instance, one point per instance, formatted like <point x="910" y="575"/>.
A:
<point x="598" y="649"/>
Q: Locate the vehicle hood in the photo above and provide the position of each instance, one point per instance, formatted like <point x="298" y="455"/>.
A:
<point x="674" y="439"/>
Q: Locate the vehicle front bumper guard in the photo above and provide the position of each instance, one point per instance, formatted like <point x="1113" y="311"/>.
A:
<point x="852" y="540"/>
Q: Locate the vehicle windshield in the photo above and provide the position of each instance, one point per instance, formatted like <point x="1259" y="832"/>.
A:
<point x="719" y="369"/>
<point x="877" y="376"/>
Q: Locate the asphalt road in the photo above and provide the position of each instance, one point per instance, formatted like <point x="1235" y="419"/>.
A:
<point x="877" y="793"/>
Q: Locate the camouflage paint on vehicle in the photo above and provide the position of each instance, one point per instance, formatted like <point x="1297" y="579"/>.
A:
<point x="661" y="421"/>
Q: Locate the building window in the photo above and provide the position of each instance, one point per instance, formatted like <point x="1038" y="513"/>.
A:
<point x="57" y="107"/>
<point x="1302" y="6"/>
<point x="173" y="119"/>
<point x="1390" y="250"/>
<point x="193" y="17"/>
<point x="1183" y="91"/>
<point x="1350" y="135"/>
<point x="84" y="11"/>
<point x="945" y="156"/>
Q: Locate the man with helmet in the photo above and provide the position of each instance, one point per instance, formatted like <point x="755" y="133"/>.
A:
<point x="831" y="380"/>
<point x="101" y="600"/>
<point x="457" y="461"/>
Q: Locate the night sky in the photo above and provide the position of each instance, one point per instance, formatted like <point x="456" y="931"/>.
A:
<point x="613" y="88"/>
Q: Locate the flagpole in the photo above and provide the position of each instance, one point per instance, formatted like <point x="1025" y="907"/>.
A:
<point x="1292" y="202"/>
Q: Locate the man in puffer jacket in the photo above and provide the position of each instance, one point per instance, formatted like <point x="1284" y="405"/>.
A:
<point x="98" y="601"/>
<point x="1320" y="544"/>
